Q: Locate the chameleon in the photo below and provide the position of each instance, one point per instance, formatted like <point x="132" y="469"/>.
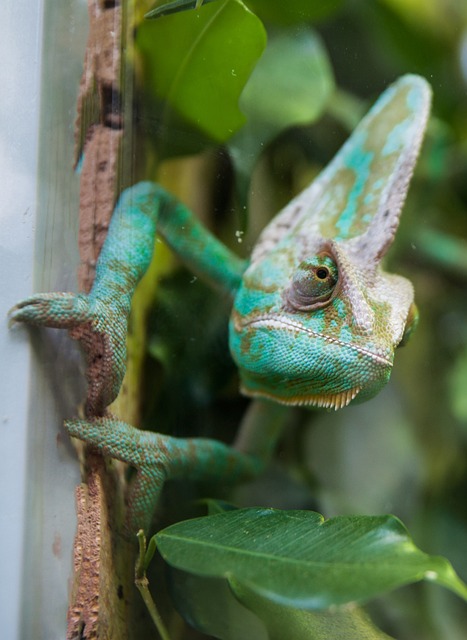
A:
<point x="315" y="319"/>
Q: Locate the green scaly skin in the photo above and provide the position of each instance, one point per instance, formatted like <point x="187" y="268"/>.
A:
<point x="158" y="458"/>
<point x="315" y="319"/>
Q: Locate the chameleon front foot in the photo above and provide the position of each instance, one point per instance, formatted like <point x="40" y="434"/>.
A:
<point x="57" y="310"/>
<point x="158" y="458"/>
<point x="99" y="327"/>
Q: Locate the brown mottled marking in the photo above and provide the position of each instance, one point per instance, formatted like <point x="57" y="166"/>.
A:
<point x="99" y="133"/>
<point x="97" y="198"/>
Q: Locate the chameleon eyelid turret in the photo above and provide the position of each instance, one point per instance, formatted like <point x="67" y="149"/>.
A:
<point x="313" y="283"/>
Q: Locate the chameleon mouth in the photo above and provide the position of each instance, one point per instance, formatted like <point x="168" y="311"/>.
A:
<point x="324" y="401"/>
<point x="286" y="324"/>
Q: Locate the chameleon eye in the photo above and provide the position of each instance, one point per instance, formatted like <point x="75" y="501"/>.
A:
<point x="313" y="283"/>
<point x="322" y="273"/>
<point x="410" y="325"/>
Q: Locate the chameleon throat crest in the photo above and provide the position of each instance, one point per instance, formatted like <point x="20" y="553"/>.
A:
<point x="325" y="401"/>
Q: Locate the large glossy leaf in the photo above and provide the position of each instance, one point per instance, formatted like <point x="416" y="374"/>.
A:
<point x="197" y="62"/>
<point x="166" y="8"/>
<point x="289" y="86"/>
<point x="298" y="559"/>
<point x="291" y="83"/>
<point x="290" y="12"/>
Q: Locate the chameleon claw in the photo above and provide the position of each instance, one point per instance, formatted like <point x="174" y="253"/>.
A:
<point x="100" y="329"/>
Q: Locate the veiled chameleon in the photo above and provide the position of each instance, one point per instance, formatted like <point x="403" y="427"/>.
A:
<point x="315" y="319"/>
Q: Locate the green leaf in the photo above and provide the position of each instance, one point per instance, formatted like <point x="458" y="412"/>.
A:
<point x="217" y="506"/>
<point x="346" y="109"/>
<point x="174" y="7"/>
<point x="284" y="623"/>
<point x="447" y="251"/>
<point x="458" y="386"/>
<point x="290" y="12"/>
<point x="290" y="85"/>
<point x="198" y="63"/>
<point x="209" y="605"/>
<point x="298" y="559"/>
<point x="293" y="11"/>
<point x="236" y="613"/>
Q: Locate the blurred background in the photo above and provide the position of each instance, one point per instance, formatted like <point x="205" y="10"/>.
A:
<point x="403" y="452"/>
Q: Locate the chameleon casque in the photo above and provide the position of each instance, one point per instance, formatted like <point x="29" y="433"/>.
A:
<point x="315" y="318"/>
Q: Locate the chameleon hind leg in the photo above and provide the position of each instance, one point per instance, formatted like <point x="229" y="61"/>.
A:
<point x="99" y="320"/>
<point x="158" y="458"/>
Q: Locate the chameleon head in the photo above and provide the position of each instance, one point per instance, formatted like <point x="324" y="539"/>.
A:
<point x="316" y="319"/>
<point x="321" y="331"/>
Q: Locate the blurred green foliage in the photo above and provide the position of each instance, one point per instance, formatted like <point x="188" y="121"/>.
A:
<point x="404" y="452"/>
<point x="198" y="64"/>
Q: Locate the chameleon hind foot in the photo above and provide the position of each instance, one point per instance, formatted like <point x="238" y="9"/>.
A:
<point x="99" y="327"/>
<point x="158" y="458"/>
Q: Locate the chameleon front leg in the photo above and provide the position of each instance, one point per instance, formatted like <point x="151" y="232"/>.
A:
<point x="99" y="319"/>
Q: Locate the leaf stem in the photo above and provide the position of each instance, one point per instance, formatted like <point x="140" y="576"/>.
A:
<point x="142" y="584"/>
